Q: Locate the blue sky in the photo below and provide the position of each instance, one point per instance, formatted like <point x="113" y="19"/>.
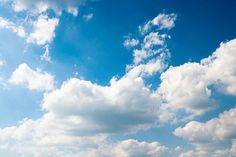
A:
<point x="102" y="78"/>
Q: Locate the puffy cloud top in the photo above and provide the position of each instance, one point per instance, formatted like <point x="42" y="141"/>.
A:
<point x="38" y="80"/>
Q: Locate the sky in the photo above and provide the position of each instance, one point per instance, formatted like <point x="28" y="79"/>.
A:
<point x="102" y="78"/>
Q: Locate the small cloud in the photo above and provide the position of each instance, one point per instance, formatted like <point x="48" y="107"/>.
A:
<point x="46" y="56"/>
<point x="161" y="21"/>
<point x="88" y="17"/>
<point x="32" y="79"/>
<point x="73" y="10"/>
<point x="130" y="42"/>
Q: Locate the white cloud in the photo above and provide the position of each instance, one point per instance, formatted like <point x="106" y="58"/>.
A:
<point x="88" y="17"/>
<point x="153" y="66"/>
<point x="6" y="24"/>
<point x="46" y="55"/>
<point x="42" y="33"/>
<point x="130" y="42"/>
<point x="80" y="115"/>
<point x="207" y="137"/>
<point x="36" y="138"/>
<point x="221" y="67"/>
<point x="140" y="55"/>
<point x="149" y="48"/>
<point x="154" y="42"/>
<point x="44" y="30"/>
<point x="187" y="87"/>
<point x="41" y="6"/>
<point x="161" y="21"/>
<point x="165" y="21"/>
<point x="127" y="105"/>
<point x="38" y="80"/>
<point x="154" y="39"/>
<point x="152" y="45"/>
<point x="214" y="131"/>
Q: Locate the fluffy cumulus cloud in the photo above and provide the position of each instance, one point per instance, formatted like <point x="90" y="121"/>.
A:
<point x="187" y="87"/>
<point x="41" y="6"/>
<point x="80" y="115"/>
<point x="207" y="136"/>
<point x="221" y="69"/>
<point x="32" y="79"/>
<point x="44" y="30"/>
<point x="127" y="105"/>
